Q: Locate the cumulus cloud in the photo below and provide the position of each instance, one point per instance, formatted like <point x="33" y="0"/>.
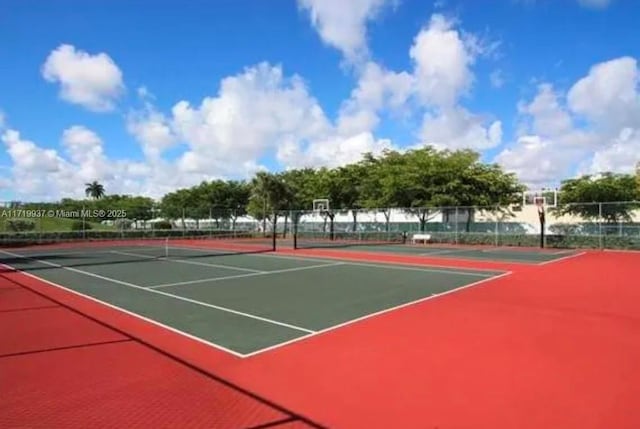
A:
<point x="343" y="25"/>
<point x="85" y="150"/>
<point x="252" y="114"/>
<point x="332" y="151"/>
<point x="593" y="129"/>
<point x="377" y="89"/>
<point x="621" y="154"/>
<point x="48" y="174"/>
<point x="443" y="58"/>
<point x="152" y="130"/>
<point x="457" y="128"/>
<point x="92" y="81"/>
<point x="33" y="167"/>
<point x="608" y="96"/>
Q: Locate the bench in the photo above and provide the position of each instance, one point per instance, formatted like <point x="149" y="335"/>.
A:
<point x="425" y="238"/>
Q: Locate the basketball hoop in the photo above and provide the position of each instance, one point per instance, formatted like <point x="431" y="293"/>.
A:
<point x="321" y="206"/>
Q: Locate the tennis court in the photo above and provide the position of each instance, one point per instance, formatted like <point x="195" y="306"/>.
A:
<point x="397" y="243"/>
<point x="241" y="301"/>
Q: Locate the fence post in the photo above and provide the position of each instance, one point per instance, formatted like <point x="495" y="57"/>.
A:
<point x="497" y="228"/>
<point x="601" y="243"/>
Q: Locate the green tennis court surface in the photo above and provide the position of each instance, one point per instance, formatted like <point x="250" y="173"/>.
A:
<point x="395" y="243"/>
<point x="242" y="303"/>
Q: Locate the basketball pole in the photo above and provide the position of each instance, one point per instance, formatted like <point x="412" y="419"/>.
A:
<point x="541" y="216"/>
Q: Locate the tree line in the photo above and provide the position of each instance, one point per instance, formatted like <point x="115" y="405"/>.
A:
<point x="419" y="180"/>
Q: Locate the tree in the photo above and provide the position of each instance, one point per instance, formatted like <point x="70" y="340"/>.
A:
<point x="425" y="180"/>
<point x="302" y="184"/>
<point x="173" y="205"/>
<point x="94" y="190"/>
<point x="269" y="195"/>
<point x="237" y="199"/>
<point x="587" y="196"/>
<point x="638" y="177"/>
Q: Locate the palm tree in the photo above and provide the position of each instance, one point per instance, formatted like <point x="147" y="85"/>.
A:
<point x="94" y="190"/>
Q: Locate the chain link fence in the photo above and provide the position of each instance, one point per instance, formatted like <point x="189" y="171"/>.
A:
<point x="613" y="225"/>
<point x="72" y="220"/>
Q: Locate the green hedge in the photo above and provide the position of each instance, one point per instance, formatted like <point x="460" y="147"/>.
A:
<point x="79" y="225"/>
<point x="552" y="241"/>
<point x="20" y="225"/>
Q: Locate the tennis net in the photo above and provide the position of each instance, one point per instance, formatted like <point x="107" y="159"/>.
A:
<point x="27" y="253"/>
<point x="310" y="240"/>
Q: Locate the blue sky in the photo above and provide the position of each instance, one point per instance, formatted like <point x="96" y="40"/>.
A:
<point x="150" y="96"/>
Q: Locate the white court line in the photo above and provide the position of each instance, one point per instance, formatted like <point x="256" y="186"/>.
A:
<point x="396" y="265"/>
<point x="130" y="313"/>
<point x="378" y="313"/>
<point x="437" y="252"/>
<point x="261" y="273"/>
<point x="182" y="261"/>
<point x="562" y="259"/>
<point x="170" y="295"/>
<point x="478" y="272"/>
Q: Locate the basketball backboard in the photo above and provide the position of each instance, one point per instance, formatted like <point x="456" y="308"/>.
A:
<point x="547" y="197"/>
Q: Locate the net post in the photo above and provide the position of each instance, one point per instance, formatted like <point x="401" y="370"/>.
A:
<point x="166" y="247"/>
<point x="274" y="237"/>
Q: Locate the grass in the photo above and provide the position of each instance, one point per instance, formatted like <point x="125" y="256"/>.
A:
<point x="54" y="224"/>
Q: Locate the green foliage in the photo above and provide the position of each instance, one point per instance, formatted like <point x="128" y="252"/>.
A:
<point x="79" y="225"/>
<point x="20" y="225"/>
<point x="581" y="196"/>
<point x="423" y="179"/>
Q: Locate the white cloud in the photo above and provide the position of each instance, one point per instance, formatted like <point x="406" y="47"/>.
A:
<point x="540" y="162"/>
<point x="33" y="167"/>
<point x="152" y="130"/>
<point x="92" y="81"/>
<point x="253" y="113"/>
<point x="608" y="96"/>
<point x="85" y="151"/>
<point x="49" y="174"/>
<point x="442" y="63"/>
<point x="548" y="116"/>
<point x="456" y="128"/>
<point x="342" y="24"/>
<point x="556" y="134"/>
<point x="377" y="89"/>
<point x="26" y="155"/>
<point x="620" y="155"/>
<point x="331" y="152"/>
<point x="3" y="120"/>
